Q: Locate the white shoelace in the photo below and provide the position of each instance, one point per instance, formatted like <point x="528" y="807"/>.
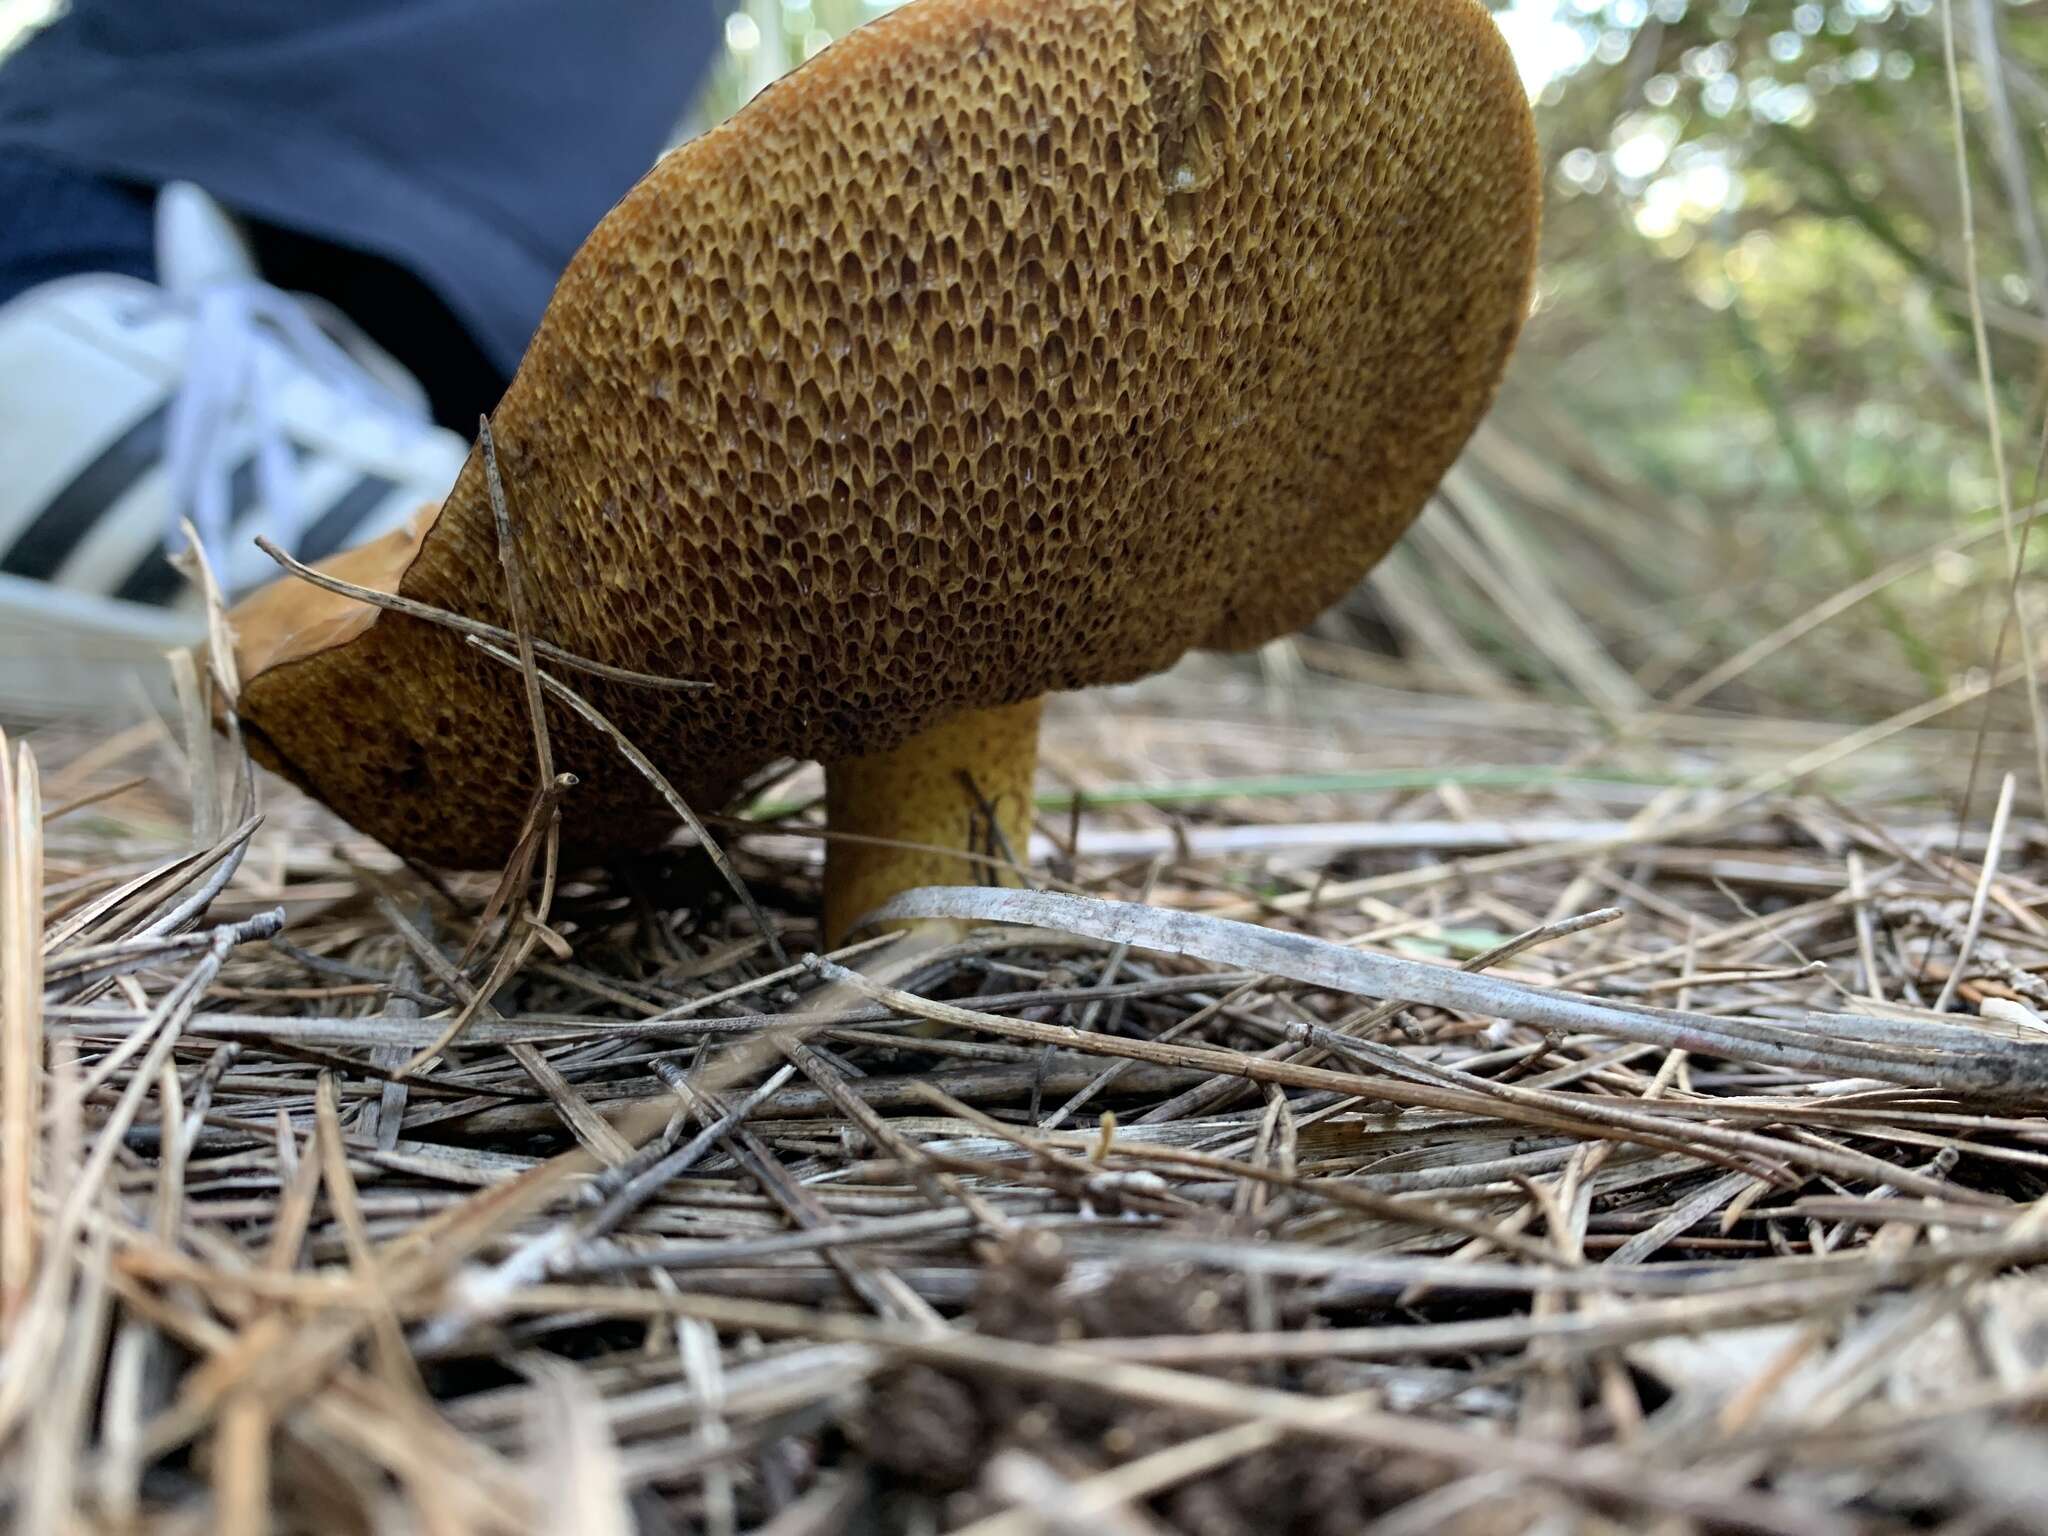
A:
<point x="247" y="340"/>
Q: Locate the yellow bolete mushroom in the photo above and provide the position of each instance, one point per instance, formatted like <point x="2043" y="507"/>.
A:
<point x="1008" y="346"/>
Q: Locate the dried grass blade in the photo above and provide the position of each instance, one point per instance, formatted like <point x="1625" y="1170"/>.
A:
<point x="1974" y="1060"/>
<point x="578" y="1482"/>
<point x="21" y="1023"/>
<point x="668" y="792"/>
<point x="472" y="628"/>
<point x="1980" y="896"/>
<point x="2016" y="535"/>
<point x="21" y="1366"/>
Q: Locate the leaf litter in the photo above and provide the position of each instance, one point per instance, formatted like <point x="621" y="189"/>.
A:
<point x="1608" y="1150"/>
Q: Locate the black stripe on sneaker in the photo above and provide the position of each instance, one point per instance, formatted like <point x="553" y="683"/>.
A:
<point x="154" y="579"/>
<point x="68" y="516"/>
<point x="332" y="529"/>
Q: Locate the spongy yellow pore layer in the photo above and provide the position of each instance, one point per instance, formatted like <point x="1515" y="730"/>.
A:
<point x="1009" y="346"/>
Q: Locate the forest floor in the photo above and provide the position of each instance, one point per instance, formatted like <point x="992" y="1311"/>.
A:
<point x="1395" y="1113"/>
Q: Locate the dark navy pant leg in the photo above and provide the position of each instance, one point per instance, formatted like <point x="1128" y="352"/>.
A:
<point x="472" y="143"/>
<point x="57" y="220"/>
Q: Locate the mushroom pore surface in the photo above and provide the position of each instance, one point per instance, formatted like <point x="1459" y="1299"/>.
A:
<point x="1009" y="346"/>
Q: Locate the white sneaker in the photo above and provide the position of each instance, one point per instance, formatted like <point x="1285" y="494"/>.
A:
<point x="211" y="396"/>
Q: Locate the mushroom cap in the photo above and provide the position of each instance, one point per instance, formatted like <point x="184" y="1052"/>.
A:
<point x="1008" y="346"/>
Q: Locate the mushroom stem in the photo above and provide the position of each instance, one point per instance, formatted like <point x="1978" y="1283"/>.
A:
<point x="936" y="791"/>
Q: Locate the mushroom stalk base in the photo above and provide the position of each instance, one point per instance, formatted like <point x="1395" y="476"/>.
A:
<point x="936" y="791"/>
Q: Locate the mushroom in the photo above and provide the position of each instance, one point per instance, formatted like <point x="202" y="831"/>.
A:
<point x="1007" y="347"/>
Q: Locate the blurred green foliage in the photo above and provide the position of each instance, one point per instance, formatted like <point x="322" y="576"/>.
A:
<point x="1756" y="304"/>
